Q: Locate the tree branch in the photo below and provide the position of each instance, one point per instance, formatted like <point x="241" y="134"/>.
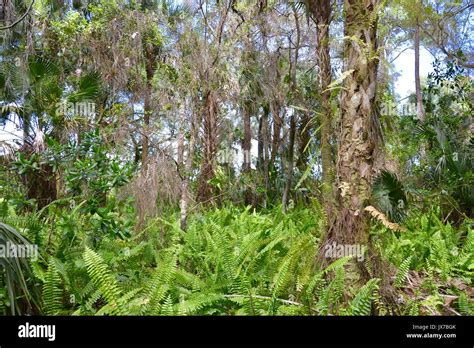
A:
<point x="19" y="19"/>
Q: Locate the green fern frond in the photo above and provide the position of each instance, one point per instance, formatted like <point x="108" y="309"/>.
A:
<point x="52" y="292"/>
<point x="167" y="307"/>
<point x="197" y="302"/>
<point x="362" y="302"/>
<point x="465" y="305"/>
<point x="102" y="278"/>
<point x="413" y="309"/>
<point x="402" y="273"/>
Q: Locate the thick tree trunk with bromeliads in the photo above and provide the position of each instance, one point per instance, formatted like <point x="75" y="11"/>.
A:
<point x="356" y="141"/>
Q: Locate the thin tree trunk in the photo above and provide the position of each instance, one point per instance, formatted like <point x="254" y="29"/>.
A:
<point x="151" y="53"/>
<point x="266" y="154"/>
<point x="289" y="173"/>
<point x="147" y="108"/>
<point x="206" y="190"/>
<point x="184" y="182"/>
<point x="260" y="148"/>
<point x="247" y="141"/>
<point x="419" y="97"/>
<point x="146" y="126"/>
<point x="294" y="87"/>
<point x="304" y="133"/>
<point x="322" y="14"/>
<point x="187" y="164"/>
<point x="277" y="123"/>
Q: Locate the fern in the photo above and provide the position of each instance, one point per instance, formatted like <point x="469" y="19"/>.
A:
<point x="402" y="273"/>
<point x="465" y="304"/>
<point x="362" y="302"/>
<point x="197" y="302"/>
<point x="52" y="292"/>
<point x="413" y="309"/>
<point x="103" y="279"/>
<point x="167" y="307"/>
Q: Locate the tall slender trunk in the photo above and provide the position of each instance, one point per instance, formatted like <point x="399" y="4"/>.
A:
<point x="146" y="126"/>
<point x="247" y="141"/>
<point x="26" y="128"/>
<point x="205" y="189"/>
<point x="294" y="87"/>
<point x="249" y="197"/>
<point x="183" y="204"/>
<point x="419" y="97"/>
<point x="185" y="164"/>
<point x="277" y="123"/>
<point x="357" y="144"/>
<point x="321" y="11"/>
<point x="266" y="154"/>
<point x="290" y="166"/>
<point x="147" y="107"/>
<point x="151" y="52"/>
<point x="260" y="138"/>
<point x="304" y="133"/>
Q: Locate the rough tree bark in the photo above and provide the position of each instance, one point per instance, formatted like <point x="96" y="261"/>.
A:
<point x="205" y="189"/>
<point x="304" y="135"/>
<point x="356" y="141"/>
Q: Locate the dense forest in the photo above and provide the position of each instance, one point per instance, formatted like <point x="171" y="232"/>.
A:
<point x="236" y="157"/>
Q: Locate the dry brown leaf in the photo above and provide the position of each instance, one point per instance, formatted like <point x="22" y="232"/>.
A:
<point x="384" y="220"/>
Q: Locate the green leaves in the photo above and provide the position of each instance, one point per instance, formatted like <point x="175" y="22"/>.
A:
<point x="52" y="292"/>
<point x="362" y="302"/>
<point x="103" y="279"/>
<point x="388" y="195"/>
<point x="402" y="273"/>
<point x="16" y="275"/>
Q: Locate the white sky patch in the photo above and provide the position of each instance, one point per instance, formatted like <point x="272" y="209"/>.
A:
<point x="405" y="66"/>
<point x="9" y="132"/>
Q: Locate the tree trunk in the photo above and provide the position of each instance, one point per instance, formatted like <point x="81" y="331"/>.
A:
<point x="289" y="173"/>
<point x="260" y="138"/>
<point x="146" y="126"/>
<point x="151" y="56"/>
<point x="304" y="132"/>
<point x="266" y="154"/>
<point x="187" y="165"/>
<point x="419" y="98"/>
<point x="205" y="189"/>
<point x="357" y="143"/>
<point x="247" y="141"/>
<point x="277" y="123"/>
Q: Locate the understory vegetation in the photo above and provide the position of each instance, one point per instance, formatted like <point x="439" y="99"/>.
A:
<point x="235" y="158"/>
<point x="235" y="261"/>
